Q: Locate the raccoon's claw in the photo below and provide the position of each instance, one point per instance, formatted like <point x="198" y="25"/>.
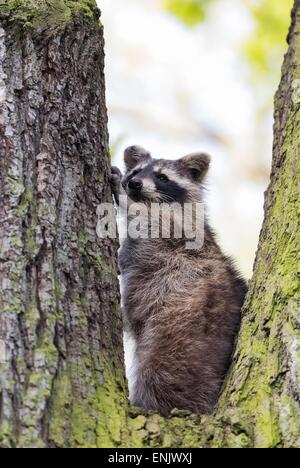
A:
<point x="116" y="176"/>
<point x="115" y="182"/>
<point x="116" y="171"/>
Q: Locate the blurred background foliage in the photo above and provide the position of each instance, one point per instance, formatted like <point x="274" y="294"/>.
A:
<point x="190" y="12"/>
<point x="266" y="45"/>
<point x="200" y="75"/>
<point x="190" y="75"/>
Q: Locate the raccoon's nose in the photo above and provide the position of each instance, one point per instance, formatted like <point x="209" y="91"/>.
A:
<point x="135" y="184"/>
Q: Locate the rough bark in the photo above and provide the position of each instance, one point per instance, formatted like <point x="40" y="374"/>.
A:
<point x="62" y="378"/>
<point x="61" y="360"/>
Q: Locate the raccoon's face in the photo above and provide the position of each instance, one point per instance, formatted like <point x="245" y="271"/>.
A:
<point x="161" y="180"/>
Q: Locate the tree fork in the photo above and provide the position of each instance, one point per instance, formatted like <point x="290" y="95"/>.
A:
<point x="259" y="405"/>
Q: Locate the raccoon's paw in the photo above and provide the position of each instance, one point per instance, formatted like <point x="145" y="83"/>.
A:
<point x="116" y="177"/>
<point x="115" y="182"/>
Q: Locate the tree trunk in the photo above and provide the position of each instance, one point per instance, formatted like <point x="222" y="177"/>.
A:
<point x="61" y="361"/>
<point x="60" y="328"/>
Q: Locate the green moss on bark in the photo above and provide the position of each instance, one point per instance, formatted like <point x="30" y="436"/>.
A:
<point x="48" y="15"/>
<point x="112" y="427"/>
<point x="60" y="406"/>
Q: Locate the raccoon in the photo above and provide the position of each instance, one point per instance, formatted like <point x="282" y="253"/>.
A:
<point x="181" y="306"/>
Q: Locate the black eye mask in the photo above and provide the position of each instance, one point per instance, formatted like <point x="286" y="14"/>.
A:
<point x="172" y="190"/>
<point x="133" y="174"/>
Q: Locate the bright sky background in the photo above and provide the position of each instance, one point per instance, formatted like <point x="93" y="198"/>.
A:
<point x="174" y="90"/>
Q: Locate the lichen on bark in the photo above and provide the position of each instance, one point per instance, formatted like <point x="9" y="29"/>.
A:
<point x="47" y="15"/>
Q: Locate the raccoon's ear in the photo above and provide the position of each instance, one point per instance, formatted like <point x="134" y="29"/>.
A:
<point x="196" y="164"/>
<point x="135" y="155"/>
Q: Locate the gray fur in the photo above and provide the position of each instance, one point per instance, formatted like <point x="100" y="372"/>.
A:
<point x="182" y="307"/>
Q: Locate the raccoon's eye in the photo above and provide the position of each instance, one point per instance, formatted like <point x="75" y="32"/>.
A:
<point x="195" y="173"/>
<point x="162" y="177"/>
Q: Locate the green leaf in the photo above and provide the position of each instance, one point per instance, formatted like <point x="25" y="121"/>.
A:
<point x="191" y="12"/>
<point x="267" y="45"/>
